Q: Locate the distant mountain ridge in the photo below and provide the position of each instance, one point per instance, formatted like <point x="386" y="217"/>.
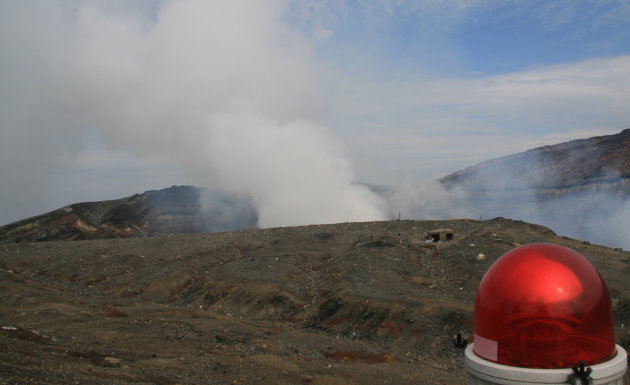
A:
<point x="580" y="188"/>
<point x="174" y="210"/>
<point x="601" y="162"/>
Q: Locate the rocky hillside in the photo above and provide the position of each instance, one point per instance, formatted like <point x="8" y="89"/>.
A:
<point x="355" y="303"/>
<point x="175" y="210"/>
<point x="579" y="189"/>
<point x="598" y="163"/>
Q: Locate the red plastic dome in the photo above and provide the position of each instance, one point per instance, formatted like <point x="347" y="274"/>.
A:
<point x="543" y="306"/>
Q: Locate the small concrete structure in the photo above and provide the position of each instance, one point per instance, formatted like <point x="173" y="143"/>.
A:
<point x="440" y="235"/>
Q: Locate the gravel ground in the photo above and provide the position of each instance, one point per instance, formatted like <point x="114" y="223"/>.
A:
<point x="352" y="303"/>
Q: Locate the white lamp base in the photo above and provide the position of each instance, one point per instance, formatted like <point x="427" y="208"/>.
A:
<point x="482" y="372"/>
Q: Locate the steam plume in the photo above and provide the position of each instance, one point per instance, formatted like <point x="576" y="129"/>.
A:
<point x="225" y="89"/>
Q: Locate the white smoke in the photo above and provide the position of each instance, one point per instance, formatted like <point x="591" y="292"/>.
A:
<point x="291" y="171"/>
<point x="428" y="199"/>
<point x="524" y="187"/>
<point x="225" y="89"/>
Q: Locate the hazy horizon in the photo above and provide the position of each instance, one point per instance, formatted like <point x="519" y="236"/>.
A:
<point x="291" y="102"/>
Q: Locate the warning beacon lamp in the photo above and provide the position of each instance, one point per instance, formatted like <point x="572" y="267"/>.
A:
<point x="543" y="315"/>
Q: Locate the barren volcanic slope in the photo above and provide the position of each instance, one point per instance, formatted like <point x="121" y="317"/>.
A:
<point x="357" y="303"/>
<point x="601" y="162"/>
<point x="175" y="210"/>
<point x="579" y="189"/>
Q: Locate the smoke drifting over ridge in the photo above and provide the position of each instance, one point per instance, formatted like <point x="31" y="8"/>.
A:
<point x="232" y="95"/>
<point x="578" y="189"/>
<point x="600" y="217"/>
<point x="225" y="89"/>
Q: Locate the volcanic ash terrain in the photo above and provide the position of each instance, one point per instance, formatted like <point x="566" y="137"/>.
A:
<point x="353" y="303"/>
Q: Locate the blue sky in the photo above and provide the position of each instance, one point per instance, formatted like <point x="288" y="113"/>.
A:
<point x="482" y="36"/>
<point x="538" y="72"/>
<point x="103" y="99"/>
<point x="541" y="33"/>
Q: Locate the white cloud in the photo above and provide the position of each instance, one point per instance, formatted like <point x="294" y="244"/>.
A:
<point x="431" y="127"/>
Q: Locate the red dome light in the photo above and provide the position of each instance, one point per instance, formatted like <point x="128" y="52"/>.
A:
<point x="543" y="306"/>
